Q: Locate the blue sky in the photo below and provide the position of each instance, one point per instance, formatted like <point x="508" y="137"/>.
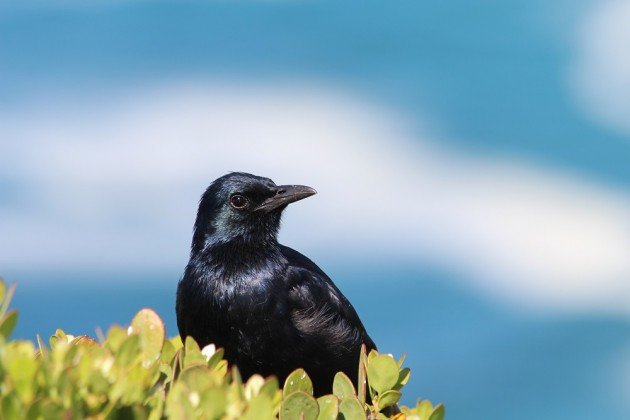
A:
<point x="488" y="140"/>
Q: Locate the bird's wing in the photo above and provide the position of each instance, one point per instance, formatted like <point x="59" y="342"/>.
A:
<point x="320" y="311"/>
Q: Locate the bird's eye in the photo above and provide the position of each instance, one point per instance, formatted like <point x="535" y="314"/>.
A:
<point x="238" y="201"/>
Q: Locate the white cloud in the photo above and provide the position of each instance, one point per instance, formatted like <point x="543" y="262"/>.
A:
<point x="116" y="184"/>
<point x="601" y="71"/>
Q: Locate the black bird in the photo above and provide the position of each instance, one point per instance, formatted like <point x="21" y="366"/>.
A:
<point x="271" y="308"/>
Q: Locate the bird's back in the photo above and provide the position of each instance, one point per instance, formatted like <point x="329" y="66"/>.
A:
<point x="326" y="321"/>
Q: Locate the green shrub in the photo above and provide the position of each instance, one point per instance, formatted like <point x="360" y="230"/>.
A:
<point x="138" y="373"/>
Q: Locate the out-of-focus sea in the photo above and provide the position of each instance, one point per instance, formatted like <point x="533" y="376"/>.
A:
<point x="483" y="359"/>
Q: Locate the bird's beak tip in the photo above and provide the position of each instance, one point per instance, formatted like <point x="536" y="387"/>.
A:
<point x="302" y="191"/>
<point x="287" y="194"/>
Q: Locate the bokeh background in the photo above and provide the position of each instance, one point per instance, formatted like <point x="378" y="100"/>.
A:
<point x="472" y="161"/>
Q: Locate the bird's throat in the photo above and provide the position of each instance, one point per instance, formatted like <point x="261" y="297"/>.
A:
<point x="233" y="258"/>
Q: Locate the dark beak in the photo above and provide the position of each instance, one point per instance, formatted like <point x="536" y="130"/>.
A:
<point x="286" y="194"/>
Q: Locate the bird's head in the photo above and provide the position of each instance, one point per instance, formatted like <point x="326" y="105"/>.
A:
<point x="243" y="207"/>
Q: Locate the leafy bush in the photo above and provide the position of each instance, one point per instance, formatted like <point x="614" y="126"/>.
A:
<point x="138" y="373"/>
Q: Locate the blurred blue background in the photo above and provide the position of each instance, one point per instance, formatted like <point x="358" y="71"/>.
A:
<point x="472" y="162"/>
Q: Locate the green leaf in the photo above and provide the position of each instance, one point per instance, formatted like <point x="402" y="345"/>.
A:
<point x="424" y="409"/>
<point x="191" y="345"/>
<point x="42" y="346"/>
<point x="214" y="360"/>
<point x="128" y="351"/>
<point x="176" y="342"/>
<point x="438" y="413"/>
<point x="197" y="378"/>
<point x="382" y="373"/>
<point x="192" y="353"/>
<point x="19" y="361"/>
<point x="260" y="408"/>
<point x="328" y="407"/>
<point x="342" y="386"/>
<point x="351" y="409"/>
<point x="168" y="352"/>
<point x="388" y="398"/>
<point x="297" y="380"/>
<point x="116" y="336"/>
<point x="45" y="409"/>
<point x="213" y="403"/>
<point x="403" y="377"/>
<point x="8" y="324"/>
<point x="6" y="298"/>
<point x="179" y="402"/>
<point x="362" y="376"/>
<point x="270" y="388"/>
<point x="149" y="326"/>
<point x="401" y="361"/>
<point x="11" y="407"/>
<point x="299" y="406"/>
<point x="237" y="384"/>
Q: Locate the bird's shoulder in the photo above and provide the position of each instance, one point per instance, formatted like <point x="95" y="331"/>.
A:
<point x="298" y="260"/>
<point x="307" y="281"/>
<point x="319" y="308"/>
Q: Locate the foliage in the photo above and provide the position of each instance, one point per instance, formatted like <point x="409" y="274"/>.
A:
<point x="138" y="373"/>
